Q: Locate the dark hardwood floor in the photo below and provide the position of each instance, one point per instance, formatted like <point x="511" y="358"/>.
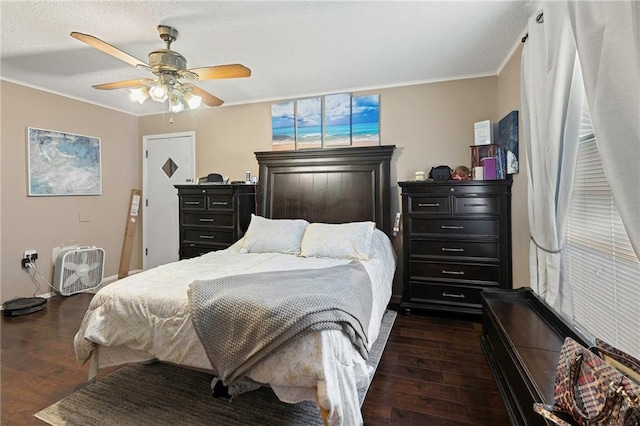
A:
<point x="432" y="372"/>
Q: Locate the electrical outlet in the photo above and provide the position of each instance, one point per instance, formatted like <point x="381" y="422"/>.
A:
<point x="396" y="224"/>
<point x="28" y="256"/>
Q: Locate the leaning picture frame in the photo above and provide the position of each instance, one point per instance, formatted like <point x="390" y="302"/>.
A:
<point x="61" y="163"/>
<point x="507" y="140"/>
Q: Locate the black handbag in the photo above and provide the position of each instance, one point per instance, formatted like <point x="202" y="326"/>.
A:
<point x="440" y="173"/>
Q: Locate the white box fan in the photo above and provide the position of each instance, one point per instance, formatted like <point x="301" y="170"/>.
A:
<point x="78" y="270"/>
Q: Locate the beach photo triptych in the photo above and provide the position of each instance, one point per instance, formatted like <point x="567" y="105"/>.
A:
<point x="329" y="121"/>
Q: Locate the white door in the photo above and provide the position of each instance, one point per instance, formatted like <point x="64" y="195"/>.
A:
<point x="167" y="160"/>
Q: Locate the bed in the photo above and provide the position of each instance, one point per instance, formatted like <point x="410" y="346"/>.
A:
<point x="334" y="206"/>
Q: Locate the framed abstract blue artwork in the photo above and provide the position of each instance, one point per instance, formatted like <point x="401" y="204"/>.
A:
<point x="63" y="163"/>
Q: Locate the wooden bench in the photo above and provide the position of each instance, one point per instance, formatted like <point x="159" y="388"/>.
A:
<point x="521" y="339"/>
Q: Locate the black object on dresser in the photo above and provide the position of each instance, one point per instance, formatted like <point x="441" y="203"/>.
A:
<point x="522" y="338"/>
<point x="213" y="216"/>
<point x="456" y="242"/>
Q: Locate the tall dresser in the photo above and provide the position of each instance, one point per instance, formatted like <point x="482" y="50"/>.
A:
<point x="456" y="242"/>
<point x="214" y="216"/>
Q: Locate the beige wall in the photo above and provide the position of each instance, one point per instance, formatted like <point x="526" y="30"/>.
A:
<point x="430" y="124"/>
<point x="226" y="137"/>
<point x="42" y="223"/>
<point x="509" y="100"/>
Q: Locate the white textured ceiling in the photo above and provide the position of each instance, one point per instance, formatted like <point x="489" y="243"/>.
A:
<point x="294" y="48"/>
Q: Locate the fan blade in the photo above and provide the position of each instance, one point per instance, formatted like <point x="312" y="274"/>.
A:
<point x="71" y="266"/>
<point x="107" y="48"/>
<point x="207" y="97"/>
<point x="138" y="82"/>
<point x="221" y="71"/>
<point x="71" y="280"/>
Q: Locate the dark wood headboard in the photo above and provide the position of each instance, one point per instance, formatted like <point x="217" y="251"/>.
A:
<point x="331" y="185"/>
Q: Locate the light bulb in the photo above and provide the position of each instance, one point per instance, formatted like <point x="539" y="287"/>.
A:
<point x="192" y="100"/>
<point x="175" y="105"/>
<point x="159" y="92"/>
<point x="139" y="94"/>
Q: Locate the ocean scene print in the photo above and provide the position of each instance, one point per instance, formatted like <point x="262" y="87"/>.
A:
<point x="63" y="163"/>
<point x="365" y="120"/>
<point x="283" y="126"/>
<point x="309" y="123"/>
<point x="337" y="119"/>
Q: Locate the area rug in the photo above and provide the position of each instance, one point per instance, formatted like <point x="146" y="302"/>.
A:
<point x="163" y="394"/>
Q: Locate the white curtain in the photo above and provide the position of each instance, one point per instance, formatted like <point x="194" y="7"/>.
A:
<point x="551" y="107"/>
<point x="607" y="36"/>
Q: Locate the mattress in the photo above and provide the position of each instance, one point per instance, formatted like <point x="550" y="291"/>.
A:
<point x="146" y="316"/>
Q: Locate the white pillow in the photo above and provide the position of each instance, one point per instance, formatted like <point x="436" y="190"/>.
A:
<point x="341" y="241"/>
<point x="273" y="235"/>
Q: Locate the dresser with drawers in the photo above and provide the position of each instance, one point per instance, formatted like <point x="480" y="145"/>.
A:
<point x="213" y="216"/>
<point x="456" y="242"/>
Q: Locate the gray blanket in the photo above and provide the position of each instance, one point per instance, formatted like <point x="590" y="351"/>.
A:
<point x="241" y="319"/>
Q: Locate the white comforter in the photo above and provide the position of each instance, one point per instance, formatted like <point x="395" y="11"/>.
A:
<point x="146" y="316"/>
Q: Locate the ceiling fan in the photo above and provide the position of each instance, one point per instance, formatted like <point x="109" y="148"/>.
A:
<point x="169" y="66"/>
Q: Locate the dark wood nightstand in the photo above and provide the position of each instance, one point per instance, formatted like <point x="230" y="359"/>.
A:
<point x="213" y="216"/>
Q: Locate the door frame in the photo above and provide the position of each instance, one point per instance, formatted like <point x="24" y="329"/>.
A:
<point x="145" y="145"/>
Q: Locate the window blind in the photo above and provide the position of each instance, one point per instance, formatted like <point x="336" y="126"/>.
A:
<point x="600" y="264"/>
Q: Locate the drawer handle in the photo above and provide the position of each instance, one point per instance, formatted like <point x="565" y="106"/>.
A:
<point x="476" y="205"/>
<point x="219" y="203"/>
<point x="451" y="227"/>
<point x="207" y="237"/>
<point x="444" y="271"/>
<point x="204" y="219"/>
<point x="192" y="203"/>
<point x="428" y="204"/>
<point x="453" y="249"/>
<point x="457" y="296"/>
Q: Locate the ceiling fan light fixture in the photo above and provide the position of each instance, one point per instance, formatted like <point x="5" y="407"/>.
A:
<point x="159" y="92"/>
<point x="175" y="105"/>
<point x="140" y="94"/>
<point x="192" y="100"/>
<point x="169" y="66"/>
